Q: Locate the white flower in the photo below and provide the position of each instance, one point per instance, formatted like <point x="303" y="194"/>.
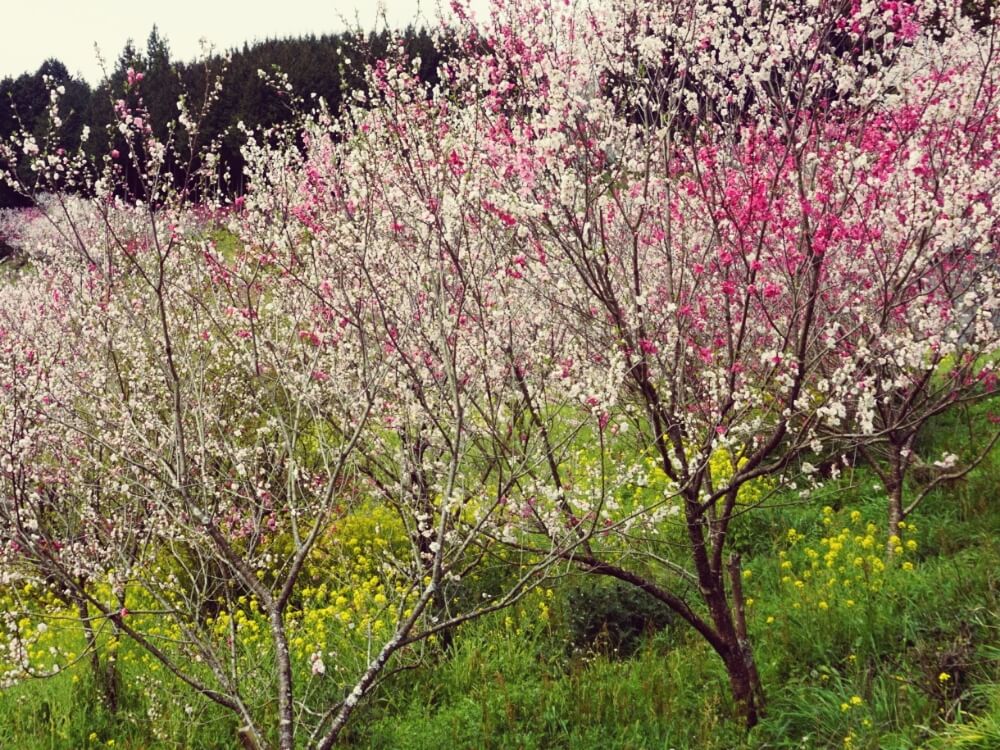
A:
<point x="947" y="461"/>
<point x="651" y="49"/>
<point x="318" y="667"/>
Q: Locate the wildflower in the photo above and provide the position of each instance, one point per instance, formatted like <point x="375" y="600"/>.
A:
<point x="318" y="667"/>
<point x="944" y="677"/>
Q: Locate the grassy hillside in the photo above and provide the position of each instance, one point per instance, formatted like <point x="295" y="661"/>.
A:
<point x="856" y="650"/>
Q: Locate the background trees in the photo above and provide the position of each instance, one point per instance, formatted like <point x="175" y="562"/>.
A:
<point x="328" y="66"/>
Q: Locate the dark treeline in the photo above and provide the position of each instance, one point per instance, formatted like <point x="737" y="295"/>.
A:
<point x="329" y="66"/>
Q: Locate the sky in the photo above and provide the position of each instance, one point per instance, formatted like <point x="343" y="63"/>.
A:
<point x="34" y="30"/>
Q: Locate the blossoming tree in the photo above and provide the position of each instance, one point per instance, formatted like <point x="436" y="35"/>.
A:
<point x="676" y="191"/>
<point x="626" y="272"/>
<point x="231" y="401"/>
<point x="923" y="303"/>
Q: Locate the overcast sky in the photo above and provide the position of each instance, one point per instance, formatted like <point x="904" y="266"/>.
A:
<point x="34" y="30"/>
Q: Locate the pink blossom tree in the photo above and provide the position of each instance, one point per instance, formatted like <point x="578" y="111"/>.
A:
<point x="225" y="408"/>
<point x="675" y="187"/>
<point x="923" y="317"/>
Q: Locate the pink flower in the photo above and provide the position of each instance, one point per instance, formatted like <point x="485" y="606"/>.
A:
<point x="115" y="153"/>
<point x="771" y="290"/>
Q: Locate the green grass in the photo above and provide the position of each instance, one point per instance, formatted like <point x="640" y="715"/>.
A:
<point x="865" y="676"/>
<point x="502" y="690"/>
<point x="65" y="713"/>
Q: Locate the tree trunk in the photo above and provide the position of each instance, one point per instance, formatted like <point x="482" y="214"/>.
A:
<point x="745" y="685"/>
<point x="728" y="618"/>
<point x="894" y="489"/>
<point x="756" y="707"/>
<point x="737" y="657"/>
<point x="895" y="517"/>
<point x="283" y="668"/>
<point x="106" y="673"/>
<point x="420" y="489"/>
